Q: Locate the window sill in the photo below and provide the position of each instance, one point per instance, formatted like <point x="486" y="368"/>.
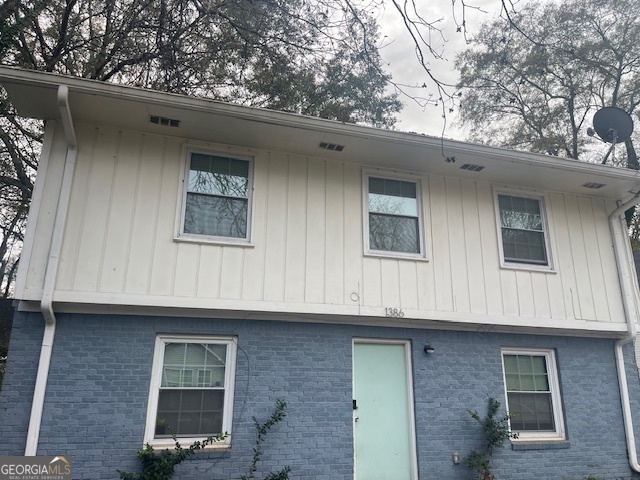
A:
<point x="170" y="443"/>
<point x="224" y="242"/>
<point x="396" y="256"/>
<point x="540" y="445"/>
<point x="527" y="267"/>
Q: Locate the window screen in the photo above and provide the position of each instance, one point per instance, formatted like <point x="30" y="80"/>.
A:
<point x="393" y="215"/>
<point x="522" y="228"/>
<point x="192" y="390"/>
<point x="217" y="198"/>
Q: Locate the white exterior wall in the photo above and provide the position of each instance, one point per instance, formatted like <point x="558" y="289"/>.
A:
<point x="307" y="243"/>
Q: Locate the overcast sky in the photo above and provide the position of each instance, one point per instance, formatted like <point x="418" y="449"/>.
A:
<point x="403" y="66"/>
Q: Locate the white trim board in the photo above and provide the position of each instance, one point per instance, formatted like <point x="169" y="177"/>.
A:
<point x="320" y="313"/>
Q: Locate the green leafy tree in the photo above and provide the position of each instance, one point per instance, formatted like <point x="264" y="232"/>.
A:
<point x="304" y="56"/>
<point x="533" y="81"/>
<point x="255" y="52"/>
<point x="315" y="57"/>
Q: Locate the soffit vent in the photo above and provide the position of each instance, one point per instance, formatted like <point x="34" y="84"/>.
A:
<point x="472" y="167"/>
<point x="334" y="147"/>
<point x="594" y="185"/>
<point x="167" y="122"/>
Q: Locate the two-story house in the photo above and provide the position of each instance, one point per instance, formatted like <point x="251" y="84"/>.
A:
<point x="188" y="262"/>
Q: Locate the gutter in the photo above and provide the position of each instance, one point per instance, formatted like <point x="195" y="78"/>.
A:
<point x="627" y="285"/>
<point x="46" y="304"/>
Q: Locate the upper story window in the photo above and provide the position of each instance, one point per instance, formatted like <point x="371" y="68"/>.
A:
<point x="523" y="231"/>
<point x="191" y="393"/>
<point x="217" y="196"/>
<point x="533" y="394"/>
<point x="393" y="222"/>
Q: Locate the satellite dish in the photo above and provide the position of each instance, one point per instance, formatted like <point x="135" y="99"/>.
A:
<point x="613" y="125"/>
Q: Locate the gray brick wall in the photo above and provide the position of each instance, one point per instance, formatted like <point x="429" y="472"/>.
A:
<point x="98" y="386"/>
<point x="18" y="383"/>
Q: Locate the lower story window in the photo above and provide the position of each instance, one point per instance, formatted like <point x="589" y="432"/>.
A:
<point x="533" y="394"/>
<point x="191" y="393"/>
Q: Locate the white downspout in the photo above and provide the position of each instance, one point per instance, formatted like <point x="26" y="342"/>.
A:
<point x="51" y="272"/>
<point x="627" y="285"/>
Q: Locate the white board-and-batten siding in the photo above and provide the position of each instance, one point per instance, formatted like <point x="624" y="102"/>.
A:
<point x="307" y="247"/>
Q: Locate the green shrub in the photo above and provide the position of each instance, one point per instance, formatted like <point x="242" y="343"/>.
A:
<point x="496" y="431"/>
<point x="161" y="466"/>
<point x="262" y="429"/>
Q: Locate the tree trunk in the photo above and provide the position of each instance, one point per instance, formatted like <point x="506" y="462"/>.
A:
<point x="632" y="163"/>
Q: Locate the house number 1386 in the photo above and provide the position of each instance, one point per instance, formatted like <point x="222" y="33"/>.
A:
<point x="393" y="312"/>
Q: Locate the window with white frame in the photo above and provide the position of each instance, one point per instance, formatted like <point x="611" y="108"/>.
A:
<point x="393" y="222"/>
<point x="533" y="394"/>
<point x="191" y="393"/>
<point x="523" y="230"/>
<point x="217" y="196"/>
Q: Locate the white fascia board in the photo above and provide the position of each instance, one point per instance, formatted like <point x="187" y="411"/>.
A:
<point x="137" y="94"/>
<point x="10" y="76"/>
